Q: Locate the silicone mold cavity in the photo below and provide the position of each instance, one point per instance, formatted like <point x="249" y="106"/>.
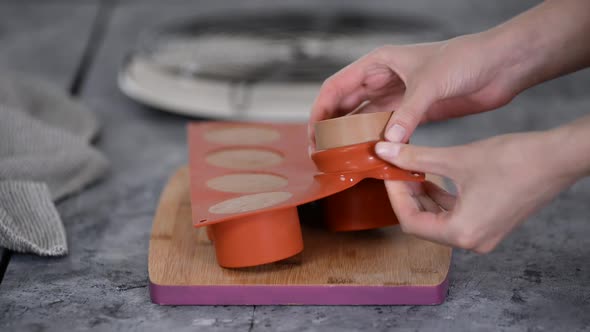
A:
<point x="350" y="178"/>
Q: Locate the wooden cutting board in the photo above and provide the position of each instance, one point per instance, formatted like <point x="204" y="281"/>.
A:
<point x="379" y="267"/>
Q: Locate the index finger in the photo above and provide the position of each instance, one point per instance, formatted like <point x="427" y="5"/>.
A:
<point x="428" y="224"/>
<point x="344" y="91"/>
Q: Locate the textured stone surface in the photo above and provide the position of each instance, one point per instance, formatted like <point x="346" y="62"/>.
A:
<point x="537" y="279"/>
<point x="45" y="39"/>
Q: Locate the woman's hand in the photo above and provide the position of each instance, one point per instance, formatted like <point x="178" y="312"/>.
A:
<point x="464" y="75"/>
<point x="421" y="82"/>
<point x="500" y="182"/>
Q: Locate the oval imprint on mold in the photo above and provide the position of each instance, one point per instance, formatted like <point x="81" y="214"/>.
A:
<point x="247" y="182"/>
<point x="243" y="135"/>
<point x="244" y="158"/>
<point x="250" y="202"/>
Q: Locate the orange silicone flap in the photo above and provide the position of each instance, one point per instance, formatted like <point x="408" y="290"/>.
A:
<point x="242" y="169"/>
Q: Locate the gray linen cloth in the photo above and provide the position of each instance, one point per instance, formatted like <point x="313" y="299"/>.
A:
<point x="45" y="155"/>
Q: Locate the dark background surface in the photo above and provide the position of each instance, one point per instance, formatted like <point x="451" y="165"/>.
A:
<point x="537" y="279"/>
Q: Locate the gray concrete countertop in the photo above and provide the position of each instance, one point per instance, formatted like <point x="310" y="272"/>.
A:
<point x="537" y="279"/>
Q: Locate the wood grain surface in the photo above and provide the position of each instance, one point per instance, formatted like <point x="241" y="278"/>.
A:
<point x="181" y="255"/>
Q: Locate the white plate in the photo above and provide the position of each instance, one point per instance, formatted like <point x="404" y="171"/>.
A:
<point x="199" y="97"/>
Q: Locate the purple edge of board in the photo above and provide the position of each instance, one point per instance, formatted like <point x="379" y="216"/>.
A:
<point x="298" y="295"/>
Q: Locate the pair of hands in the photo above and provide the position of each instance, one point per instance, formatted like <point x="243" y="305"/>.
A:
<point x="500" y="181"/>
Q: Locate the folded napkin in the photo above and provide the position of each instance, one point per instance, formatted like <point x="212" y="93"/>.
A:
<point x="45" y="155"/>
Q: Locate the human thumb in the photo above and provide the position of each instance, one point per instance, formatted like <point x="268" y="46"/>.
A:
<point x="406" y="118"/>
<point x="417" y="158"/>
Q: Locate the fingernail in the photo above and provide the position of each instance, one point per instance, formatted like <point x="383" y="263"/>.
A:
<point x="387" y="150"/>
<point x="309" y="151"/>
<point x="396" y="133"/>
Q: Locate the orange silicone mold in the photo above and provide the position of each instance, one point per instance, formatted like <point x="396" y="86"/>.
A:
<point x="248" y="178"/>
